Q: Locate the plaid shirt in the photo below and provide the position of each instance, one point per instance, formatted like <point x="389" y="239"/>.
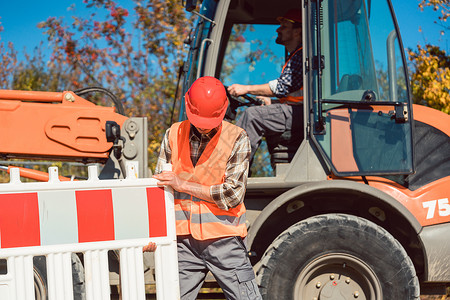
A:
<point x="291" y="79"/>
<point x="231" y="192"/>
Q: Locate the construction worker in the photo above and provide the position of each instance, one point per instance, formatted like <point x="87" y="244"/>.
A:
<point x="275" y="118"/>
<point x="209" y="160"/>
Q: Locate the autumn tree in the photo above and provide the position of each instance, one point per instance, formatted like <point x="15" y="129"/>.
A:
<point x="8" y="61"/>
<point x="134" y="53"/>
<point x="441" y="5"/>
<point x="430" y="78"/>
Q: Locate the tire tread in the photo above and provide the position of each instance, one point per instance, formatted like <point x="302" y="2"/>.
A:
<point x="362" y="228"/>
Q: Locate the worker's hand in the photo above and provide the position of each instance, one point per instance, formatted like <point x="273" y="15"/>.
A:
<point x="169" y="178"/>
<point x="237" y="90"/>
<point x="266" y="100"/>
<point x="151" y="247"/>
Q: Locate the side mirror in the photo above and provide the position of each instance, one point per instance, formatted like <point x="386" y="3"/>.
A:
<point x="190" y="5"/>
<point x="112" y="130"/>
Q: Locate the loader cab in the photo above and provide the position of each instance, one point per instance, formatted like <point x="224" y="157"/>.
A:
<point x="357" y="104"/>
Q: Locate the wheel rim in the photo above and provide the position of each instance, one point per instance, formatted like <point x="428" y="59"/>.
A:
<point x="40" y="291"/>
<point x="337" y="276"/>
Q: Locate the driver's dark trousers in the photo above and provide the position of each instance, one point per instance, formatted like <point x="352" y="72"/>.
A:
<point x="270" y="120"/>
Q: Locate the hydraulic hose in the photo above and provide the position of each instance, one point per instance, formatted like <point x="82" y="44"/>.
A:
<point x="117" y="103"/>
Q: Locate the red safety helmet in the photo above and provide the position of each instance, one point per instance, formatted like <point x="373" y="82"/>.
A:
<point x="206" y="103"/>
<point x="293" y="15"/>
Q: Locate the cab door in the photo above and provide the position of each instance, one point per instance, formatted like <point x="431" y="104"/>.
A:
<point x="358" y="88"/>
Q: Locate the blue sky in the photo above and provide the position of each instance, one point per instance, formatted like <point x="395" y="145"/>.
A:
<point x="19" y="19"/>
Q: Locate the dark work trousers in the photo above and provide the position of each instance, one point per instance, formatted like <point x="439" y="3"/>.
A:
<point x="270" y="120"/>
<point x="226" y="258"/>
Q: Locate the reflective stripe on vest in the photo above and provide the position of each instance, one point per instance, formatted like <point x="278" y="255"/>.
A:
<point x="296" y="97"/>
<point x="200" y="218"/>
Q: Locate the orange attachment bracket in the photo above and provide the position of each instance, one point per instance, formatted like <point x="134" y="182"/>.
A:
<point x="54" y="125"/>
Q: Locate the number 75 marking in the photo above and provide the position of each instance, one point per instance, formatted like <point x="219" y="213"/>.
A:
<point x="443" y="207"/>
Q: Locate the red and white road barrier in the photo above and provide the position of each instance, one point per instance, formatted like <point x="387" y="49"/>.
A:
<point x="57" y="219"/>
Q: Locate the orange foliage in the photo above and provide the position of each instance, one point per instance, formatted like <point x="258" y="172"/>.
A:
<point x="136" y="55"/>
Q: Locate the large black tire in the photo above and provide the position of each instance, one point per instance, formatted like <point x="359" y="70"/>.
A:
<point x="79" y="286"/>
<point x="40" y="278"/>
<point x="337" y="256"/>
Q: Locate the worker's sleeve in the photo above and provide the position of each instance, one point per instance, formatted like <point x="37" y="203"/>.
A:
<point x="165" y="154"/>
<point x="231" y="193"/>
<point x="291" y="79"/>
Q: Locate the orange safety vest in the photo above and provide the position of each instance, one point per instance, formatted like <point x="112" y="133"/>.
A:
<point x="296" y="97"/>
<point x="201" y="218"/>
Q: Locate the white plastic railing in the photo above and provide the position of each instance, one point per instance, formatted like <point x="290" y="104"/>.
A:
<point x="57" y="219"/>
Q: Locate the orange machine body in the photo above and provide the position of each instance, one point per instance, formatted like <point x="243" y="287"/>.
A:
<point x="430" y="203"/>
<point x="49" y="125"/>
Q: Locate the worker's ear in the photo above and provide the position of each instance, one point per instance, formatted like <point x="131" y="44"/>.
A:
<point x="298" y="32"/>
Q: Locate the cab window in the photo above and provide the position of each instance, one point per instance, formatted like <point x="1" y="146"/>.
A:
<point x="362" y="116"/>
<point x="251" y="56"/>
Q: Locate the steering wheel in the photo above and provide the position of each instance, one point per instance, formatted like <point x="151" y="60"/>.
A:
<point x="235" y="102"/>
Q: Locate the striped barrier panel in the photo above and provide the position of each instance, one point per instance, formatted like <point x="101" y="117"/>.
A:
<point x="55" y="219"/>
